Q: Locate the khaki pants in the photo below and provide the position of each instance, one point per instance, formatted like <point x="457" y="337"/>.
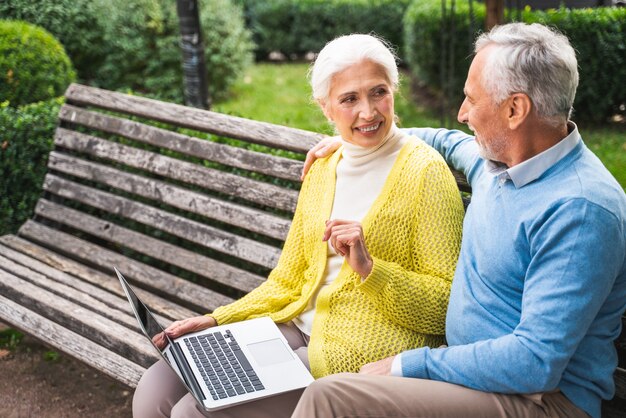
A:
<point x="160" y="393"/>
<point x="353" y="395"/>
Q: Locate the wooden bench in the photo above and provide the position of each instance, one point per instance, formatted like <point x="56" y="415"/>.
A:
<point x="193" y="220"/>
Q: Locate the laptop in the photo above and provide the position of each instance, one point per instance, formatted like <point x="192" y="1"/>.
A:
<point x="229" y="364"/>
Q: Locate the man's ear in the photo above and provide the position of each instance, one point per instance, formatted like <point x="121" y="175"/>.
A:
<point x="519" y="108"/>
<point x="325" y="109"/>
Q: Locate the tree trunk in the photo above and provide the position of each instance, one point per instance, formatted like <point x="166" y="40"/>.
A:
<point x="194" y="65"/>
<point x="495" y="13"/>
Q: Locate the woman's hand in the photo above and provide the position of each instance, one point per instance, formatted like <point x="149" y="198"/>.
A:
<point x="346" y="237"/>
<point x="323" y="149"/>
<point x="182" y="327"/>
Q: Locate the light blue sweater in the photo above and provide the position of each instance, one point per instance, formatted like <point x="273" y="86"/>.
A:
<point x="541" y="281"/>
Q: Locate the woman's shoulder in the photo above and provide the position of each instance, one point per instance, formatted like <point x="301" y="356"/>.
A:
<point x="421" y="155"/>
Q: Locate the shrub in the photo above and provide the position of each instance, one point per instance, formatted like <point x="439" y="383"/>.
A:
<point x="72" y="22"/>
<point x="295" y="27"/>
<point x="33" y="64"/>
<point x="143" y="46"/>
<point x="598" y="35"/>
<point x="26" y="137"/>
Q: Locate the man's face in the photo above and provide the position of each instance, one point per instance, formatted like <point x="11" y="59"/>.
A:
<point x="483" y="116"/>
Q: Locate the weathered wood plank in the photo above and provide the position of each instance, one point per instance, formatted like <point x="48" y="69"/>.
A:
<point x="224" y="154"/>
<point x="620" y="383"/>
<point x="87" y="297"/>
<point x="179" y="226"/>
<point x="160" y="250"/>
<point x="189" y="294"/>
<point x="74" y="289"/>
<point x="220" y="181"/>
<point x="58" y="267"/>
<point x="109" y="334"/>
<point x="276" y="136"/>
<point x="70" y="343"/>
<point x="227" y="212"/>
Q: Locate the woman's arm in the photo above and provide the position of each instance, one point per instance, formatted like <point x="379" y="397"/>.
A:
<point x="418" y="298"/>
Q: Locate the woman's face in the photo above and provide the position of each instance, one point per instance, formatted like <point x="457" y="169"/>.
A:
<point x="360" y="104"/>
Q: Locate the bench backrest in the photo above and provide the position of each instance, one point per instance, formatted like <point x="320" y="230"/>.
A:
<point x="155" y="189"/>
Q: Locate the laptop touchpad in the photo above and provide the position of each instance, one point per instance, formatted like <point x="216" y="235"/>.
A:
<point x="270" y="352"/>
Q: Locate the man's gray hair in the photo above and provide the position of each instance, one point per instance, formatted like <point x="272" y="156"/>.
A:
<point x="345" y="51"/>
<point x="535" y="60"/>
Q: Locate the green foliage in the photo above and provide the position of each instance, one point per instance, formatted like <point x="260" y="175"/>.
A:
<point x="598" y="35"/>
<point x="10" y="338"/>
<point x="26" y="135"/>
<point x="33" y="64"/>
<point x="295" y="27"/>
<point x="144" y="55"/>
<point x="51" y="356"/>
<point x="72" y="22"/>
<point x="599" y="38"/>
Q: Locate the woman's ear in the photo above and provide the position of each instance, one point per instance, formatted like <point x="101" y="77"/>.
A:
<point x="325" y="109"/>
<point x="519" y="108"/>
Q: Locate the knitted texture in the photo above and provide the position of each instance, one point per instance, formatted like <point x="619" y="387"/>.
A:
<point x="412" y="232"/>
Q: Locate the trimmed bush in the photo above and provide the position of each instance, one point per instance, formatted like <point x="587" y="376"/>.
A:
<point x="33" y="64"/>
<point x="144" y="55"/>
<point x="26" y="137"/>
<point x="295" y="27"/>
<point x="72" y="22"/>
<point x="598" y="35"/>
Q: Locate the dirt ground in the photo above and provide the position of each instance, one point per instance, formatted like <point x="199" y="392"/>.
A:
<point x="37" y="382"/>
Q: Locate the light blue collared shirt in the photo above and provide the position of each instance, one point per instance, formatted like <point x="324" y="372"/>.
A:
<point x="531" y="169"/>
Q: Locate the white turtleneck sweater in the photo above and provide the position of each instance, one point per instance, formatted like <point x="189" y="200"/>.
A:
<point x="361" y="175"/>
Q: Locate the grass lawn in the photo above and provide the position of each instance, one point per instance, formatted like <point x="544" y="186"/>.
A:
<point x="280" y="93"/>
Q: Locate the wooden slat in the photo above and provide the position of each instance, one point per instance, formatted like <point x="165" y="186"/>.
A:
<point x="144" y="244"/>
<point x="191" y="295"/>
<point x="179" y="226"/>
<point x="72" y="288"/>
<point x="620" y="383"/>
<point x="220" y="181"/>
<point x="83" y="321"/>
<point x="57" y="267"/>
<point x="241" y="216"/>
<point x="224" y="154"/>
<point x="70" y="343"/>
<point x="88" y="297"/>
<point x="276" y="136"/>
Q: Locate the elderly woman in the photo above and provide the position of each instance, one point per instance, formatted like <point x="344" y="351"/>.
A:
<point x="366" y="269"/>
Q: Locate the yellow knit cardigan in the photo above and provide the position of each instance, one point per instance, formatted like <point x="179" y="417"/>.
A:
<point x="413" y="233"/>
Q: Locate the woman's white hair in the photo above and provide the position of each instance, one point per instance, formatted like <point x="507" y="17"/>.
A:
<point x="534" y="60"/>
<point x="344" y="51"/>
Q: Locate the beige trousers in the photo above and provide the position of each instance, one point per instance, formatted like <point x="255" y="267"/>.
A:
<point x="160" y="393"/>
<point x="350" y="395"/>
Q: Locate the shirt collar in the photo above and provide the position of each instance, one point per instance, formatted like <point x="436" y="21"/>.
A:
<point x="531" y="169"/>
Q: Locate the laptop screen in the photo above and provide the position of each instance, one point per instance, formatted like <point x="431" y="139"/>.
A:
<point x="147" y="321"/>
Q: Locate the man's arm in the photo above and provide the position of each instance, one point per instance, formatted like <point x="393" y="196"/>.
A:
<point x="457" y="148"/>
<point x="576" y="256"/>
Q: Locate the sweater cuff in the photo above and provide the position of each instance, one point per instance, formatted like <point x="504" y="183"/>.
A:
<point x="222" y="316"/>
<point x="378" y="277"/>
<point x="414" y="363"/>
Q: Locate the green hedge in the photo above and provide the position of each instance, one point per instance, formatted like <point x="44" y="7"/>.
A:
<point x="144" y="53"/>
<point x="598" y="35"/>
<point x="26" y="136"/>
<point x="134" y="44"/>
<point x="295" y="27"/>
<point x="33" y="64"/>
<point x="72" y="22"/>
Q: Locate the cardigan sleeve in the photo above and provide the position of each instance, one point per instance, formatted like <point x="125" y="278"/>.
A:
<point x="283" y="284"/>
<point x="417" y="298"/>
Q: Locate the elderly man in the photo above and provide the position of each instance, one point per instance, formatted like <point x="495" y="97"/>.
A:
<point x="540" y="284"/>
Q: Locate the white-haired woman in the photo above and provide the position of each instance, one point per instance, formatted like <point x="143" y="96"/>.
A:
<point x="367" y="266"/>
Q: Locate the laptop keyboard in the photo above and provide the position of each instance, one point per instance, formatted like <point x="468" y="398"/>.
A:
<point x="223" y="366"/>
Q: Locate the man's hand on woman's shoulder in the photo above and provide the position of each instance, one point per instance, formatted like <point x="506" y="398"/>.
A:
<point x="323" y="149"/>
